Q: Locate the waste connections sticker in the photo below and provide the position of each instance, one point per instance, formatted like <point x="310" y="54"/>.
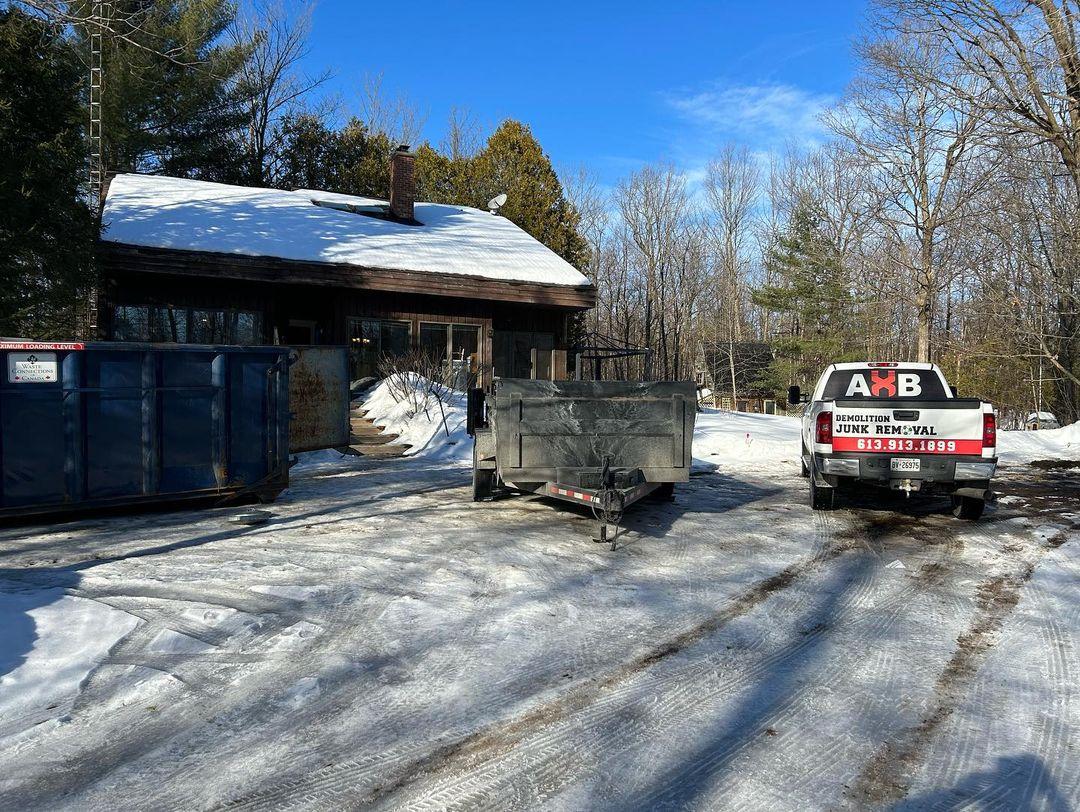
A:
<point x="31" y="367"/>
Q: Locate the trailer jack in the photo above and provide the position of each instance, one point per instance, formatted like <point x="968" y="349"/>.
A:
<point x="608" y="506"/>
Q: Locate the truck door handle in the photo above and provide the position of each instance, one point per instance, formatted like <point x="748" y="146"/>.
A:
<point x="905" y="414"/>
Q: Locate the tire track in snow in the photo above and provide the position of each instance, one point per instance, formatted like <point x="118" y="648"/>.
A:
<point x="545" y="754"/>
<point x="609" y="689"/>
<point x="887" y="777"/>
<point x="494" y="738"/>
<point x="1050" y="733"/>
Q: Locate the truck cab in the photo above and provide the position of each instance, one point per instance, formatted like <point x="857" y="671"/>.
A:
<point x="898" y="426"/>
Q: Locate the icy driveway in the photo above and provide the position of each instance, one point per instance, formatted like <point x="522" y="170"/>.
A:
<point x="387" y="643"/>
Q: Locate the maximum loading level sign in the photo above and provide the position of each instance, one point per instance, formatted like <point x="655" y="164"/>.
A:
<point x="31" y="367"/>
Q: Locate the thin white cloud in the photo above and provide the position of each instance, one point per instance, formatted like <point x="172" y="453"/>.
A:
<point x="760" y="115"/>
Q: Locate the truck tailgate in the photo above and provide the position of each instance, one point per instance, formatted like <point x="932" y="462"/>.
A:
<point x="953" y="426"/>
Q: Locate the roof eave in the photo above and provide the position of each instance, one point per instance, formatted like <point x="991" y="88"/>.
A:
<point x="131" y="258"/>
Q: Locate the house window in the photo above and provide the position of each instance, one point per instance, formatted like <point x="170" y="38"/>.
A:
<point x="131" y="323"/>
<point x="207" y="327"/>
<point x="521" y="354"/>
<point x="456" y="344"/>
<point x="182" y="325"/>
<point x="371" y="340"/>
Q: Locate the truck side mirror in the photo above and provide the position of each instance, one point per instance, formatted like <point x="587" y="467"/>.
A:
<point x="794" y="395"/>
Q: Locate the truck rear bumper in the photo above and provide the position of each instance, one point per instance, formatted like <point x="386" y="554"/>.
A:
<point x="945" y="474"/>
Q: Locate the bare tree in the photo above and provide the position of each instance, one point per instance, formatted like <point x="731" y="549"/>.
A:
<point x="395" y="116"/>
<point x="1024" y="52"/>
<point x="463" y="137"/>
<point x="921" y="146"/>
<point x="276" y="32"/>
<point x="732" y="184"/>
<point x="653" y="203"/>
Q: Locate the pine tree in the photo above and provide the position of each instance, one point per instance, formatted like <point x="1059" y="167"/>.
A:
<point x="808" y="293"/>
<point x="513" y="162"/>
<point x="351" y="160"/>
<point x="46" y="228"/>
<point x="173" y="104"/>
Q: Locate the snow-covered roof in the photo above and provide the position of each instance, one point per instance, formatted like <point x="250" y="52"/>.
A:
<point x="1042" y="416"/>
<point x="162" y="212"/>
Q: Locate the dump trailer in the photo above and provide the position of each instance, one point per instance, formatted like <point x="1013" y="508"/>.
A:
<point x="605" y="444"/>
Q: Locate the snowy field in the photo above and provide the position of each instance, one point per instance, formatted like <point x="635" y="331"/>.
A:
<point x="384" y="642"/>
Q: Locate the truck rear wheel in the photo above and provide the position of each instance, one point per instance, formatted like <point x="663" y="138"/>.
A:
<point x="967" y="507"/>
<point x="821" y="498"/>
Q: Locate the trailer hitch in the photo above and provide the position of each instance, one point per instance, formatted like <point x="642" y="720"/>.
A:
<point x="608" y="506"/>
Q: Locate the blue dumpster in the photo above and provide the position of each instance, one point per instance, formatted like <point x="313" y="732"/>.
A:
<point x="101" y="424"/>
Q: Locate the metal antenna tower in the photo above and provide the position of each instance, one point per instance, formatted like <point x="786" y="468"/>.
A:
<point x="97" y="23"/>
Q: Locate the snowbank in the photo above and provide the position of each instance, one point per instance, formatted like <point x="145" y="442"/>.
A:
<point x="1022" y="447"/>
<point x="423" y="431"/>
<point x="735" y="440"/>
<point x="742" y="441"/>
<point x="49" y="643"/>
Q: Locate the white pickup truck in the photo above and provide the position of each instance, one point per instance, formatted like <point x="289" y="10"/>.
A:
<point x="899" y="426"/>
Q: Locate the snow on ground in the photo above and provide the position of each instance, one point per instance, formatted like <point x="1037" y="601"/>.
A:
<point x="1020" y="447"/>
<point x="49" y="643"/>
<point x="723" y="440"/>
<point x="163" y="212"/>
<point x="385" y="641"/>
<point x="741" y="441"/>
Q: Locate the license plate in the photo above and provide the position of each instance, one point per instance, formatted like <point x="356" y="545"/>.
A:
<point x="905" y="464"/>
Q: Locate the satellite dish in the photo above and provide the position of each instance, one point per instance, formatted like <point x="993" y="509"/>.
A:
<point x="497" y="203"/>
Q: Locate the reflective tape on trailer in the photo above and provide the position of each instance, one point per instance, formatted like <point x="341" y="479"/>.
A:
<point x="569" y="493"/>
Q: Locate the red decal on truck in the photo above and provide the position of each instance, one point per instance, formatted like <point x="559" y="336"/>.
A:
<point x="913" y="445"/>
<point x="883" y="382"/>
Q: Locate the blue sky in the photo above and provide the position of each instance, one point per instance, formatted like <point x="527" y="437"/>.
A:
<point x="607" y="85"/>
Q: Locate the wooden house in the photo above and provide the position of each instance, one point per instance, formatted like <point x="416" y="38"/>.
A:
<point x="191" y="261"/>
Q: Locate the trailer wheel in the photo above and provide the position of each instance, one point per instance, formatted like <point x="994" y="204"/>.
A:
<point x="483" y="484"/>
<point x="967" y="507"/>
<point x="821" y="498"/>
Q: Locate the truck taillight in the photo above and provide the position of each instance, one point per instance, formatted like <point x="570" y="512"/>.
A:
<point x="883" y="364"/>
<point x="989" y="430"/>
<point x="823" y="428"/>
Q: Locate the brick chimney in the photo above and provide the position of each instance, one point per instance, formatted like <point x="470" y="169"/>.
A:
<point x="402" y="184"/>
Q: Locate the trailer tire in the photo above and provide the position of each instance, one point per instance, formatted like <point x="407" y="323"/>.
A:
<point x="967" y="508"/>
<point x="483" y="484"/>
<point x="821" y="498"/>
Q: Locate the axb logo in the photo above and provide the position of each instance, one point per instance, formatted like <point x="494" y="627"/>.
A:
<point x="885" y="384"/>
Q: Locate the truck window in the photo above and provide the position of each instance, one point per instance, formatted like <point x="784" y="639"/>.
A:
<point x="853" y="384"/>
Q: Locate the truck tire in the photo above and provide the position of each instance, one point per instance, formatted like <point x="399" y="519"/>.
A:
<point x="483" y="484"/>
<point x="967" y="507"/>
<point x="821" y="498"/>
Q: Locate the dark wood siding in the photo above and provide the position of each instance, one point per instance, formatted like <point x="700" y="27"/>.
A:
<point x="330" y="309"/>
